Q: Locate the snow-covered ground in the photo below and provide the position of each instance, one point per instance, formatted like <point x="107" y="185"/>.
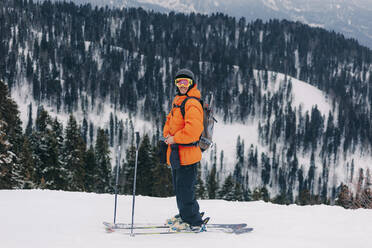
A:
<point x="41" y="218"/>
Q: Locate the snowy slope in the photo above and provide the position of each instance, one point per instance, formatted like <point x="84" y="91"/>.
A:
<point x="303" y="94"/>
<point x="226" y="135"/>
<point x="44" y="219"/>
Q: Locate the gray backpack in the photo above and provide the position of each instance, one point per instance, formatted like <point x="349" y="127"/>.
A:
<point x="205" y="140"/>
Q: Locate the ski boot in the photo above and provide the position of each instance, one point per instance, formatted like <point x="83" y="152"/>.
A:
<point x="177" y="218"/>
<point x="183" y="226"/>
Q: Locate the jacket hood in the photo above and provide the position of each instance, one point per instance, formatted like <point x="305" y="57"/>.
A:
<point x="194" y="91"/>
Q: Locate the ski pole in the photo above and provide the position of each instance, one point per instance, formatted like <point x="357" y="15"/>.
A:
<point x="134" y="183"/>
<point x="117" y="181"/>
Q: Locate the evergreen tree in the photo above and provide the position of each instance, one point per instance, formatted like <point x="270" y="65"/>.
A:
<point x="91" y="171"/>
<point x="6" y="159"/>
<point x="261" y="194"/>
<point x="162" y="186"/>
<point x="55" y="173"/>
<point x="47" y="142"/>
<point x="122" y="78"/>
<point x="212" y="185"/>
<point x="84" y="130"/>
<point x="112" y="131"/>
<point x="104" y="183"/>
<point x="266" y="169"/>
<point x="162" y="177"/>
<point x="344" y="198"/>
<point x="200" y="191"/>
<point x="227" y="190"/>
<point x="91" y="132"/>
<point x="145" y="168"/>
<point x="238" y="171"/>
<point x="11" y="139"/>
<point x="238" y="192"/>
<point x="27" y="173"/>
<point x="29" y="123"/>
<point x="126" y="178"/>
<point x="73" y="150"/>
<point x="311" y="173"/>
<point x="247" y="194"/>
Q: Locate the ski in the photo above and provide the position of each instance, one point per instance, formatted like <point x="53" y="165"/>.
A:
<point x="223" y="230"/>
<point x="158" y="226"/>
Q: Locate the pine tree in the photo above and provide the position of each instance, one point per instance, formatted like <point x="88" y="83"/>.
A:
<point x="238" y="171"/>
<point x="126" y="178"/>
<point x="266" y="169"/>
<point x="84" y="130"/>
<point x="30" y="122"/>
<point x="238" y="192"/>
<point x="27" y="173"/>
<point x="200" y="191"/>
<point x="227" y="190"/>
<point x="111" y="130"/>
<point x="39" y="146"/>
<point x="311" y="173"/>
<point x="46" y="143"/>
<point x="344" y="198"/>
<point x="212" y="183"/>
<point x="6" y="159"/>
<point x="162" y="186"/>
<point x="261" y="194"/>
<point x="11" y="139"/>
<point x="73" y="150"/>
<point x="145" y="167"/>
<point x="104" y="182"/>
<point x="162" y="176"/>
<point x="91" y="171"/>
<point x="55" y="173"/>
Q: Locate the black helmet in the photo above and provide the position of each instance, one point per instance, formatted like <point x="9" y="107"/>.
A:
<point x="185" y="73"/>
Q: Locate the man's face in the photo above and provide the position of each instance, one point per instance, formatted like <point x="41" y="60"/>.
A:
<point x="183" y="84"/>
<point x="183" y="89"/>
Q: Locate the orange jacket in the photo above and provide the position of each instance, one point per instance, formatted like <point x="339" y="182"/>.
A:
<point x="188" y="130"/>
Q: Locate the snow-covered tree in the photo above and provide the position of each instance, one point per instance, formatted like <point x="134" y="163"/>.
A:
<point x="6" y="159"/>
<point x="73" y="151"/>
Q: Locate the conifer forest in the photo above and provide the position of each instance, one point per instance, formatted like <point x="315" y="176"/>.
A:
<point x="71" y="63"/>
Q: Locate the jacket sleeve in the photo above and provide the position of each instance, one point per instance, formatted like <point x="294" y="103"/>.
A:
<point x="166" y="126"/>
<point x="193" y="123"/>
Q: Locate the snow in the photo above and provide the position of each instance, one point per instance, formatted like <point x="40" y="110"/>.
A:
<point x="314" y="25"/>
<point x="176" y="5"/>
<point x="226" y="134"/>
<point x="42" y="218"/>
<point x="271" y="4"/>
<point x="309" y="96"/>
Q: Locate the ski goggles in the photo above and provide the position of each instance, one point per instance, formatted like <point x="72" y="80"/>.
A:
<point x="183" y="82"/>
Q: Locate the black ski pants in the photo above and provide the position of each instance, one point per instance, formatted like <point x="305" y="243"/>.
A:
<point x="184" y="180"/>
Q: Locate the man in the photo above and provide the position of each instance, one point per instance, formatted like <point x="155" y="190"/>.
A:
<point x="182" y="134"/>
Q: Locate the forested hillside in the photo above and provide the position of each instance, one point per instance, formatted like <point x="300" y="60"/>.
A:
<point x="111" y="68"/>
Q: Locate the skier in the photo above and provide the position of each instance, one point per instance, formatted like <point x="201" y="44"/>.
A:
<point x="183" y="153"/>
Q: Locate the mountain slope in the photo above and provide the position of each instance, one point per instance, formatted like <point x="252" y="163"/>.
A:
<point x="113" y="69"/>
<point x="351" y="18"/>
<point x="41" y="219"/>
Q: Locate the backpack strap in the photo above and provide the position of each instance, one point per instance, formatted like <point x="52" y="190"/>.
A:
<point x="183" y="104"/>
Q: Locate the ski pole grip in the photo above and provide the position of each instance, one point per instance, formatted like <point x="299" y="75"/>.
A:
<point x="137" y="139"/>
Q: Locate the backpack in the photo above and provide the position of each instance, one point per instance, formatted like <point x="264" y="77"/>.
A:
<point x="205" y="140"/>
